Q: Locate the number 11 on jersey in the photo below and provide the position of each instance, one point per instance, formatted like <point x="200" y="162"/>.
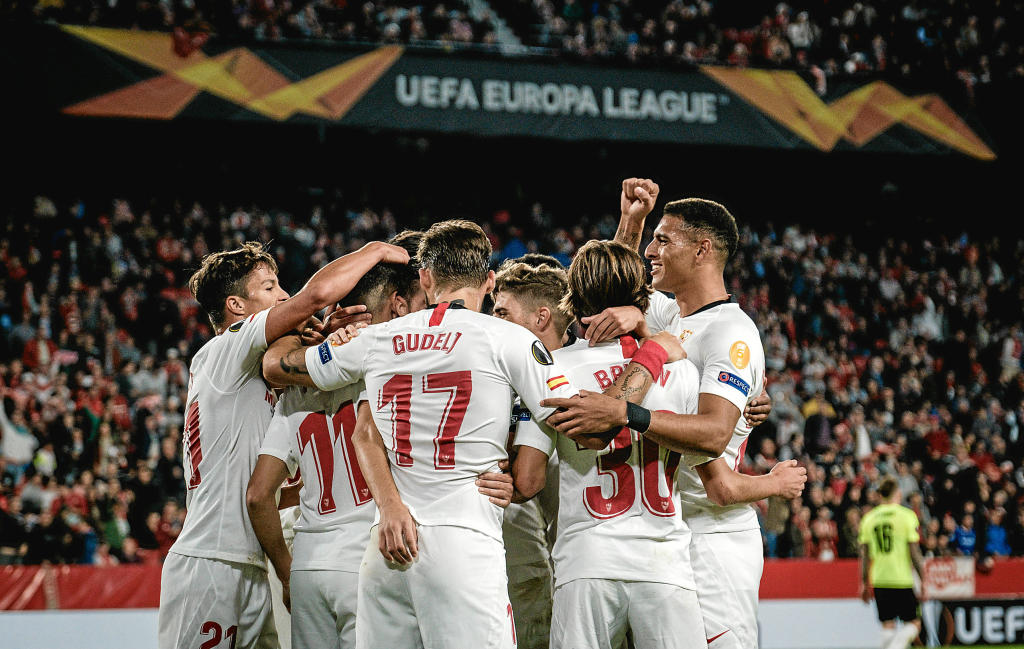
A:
<point x="315" y="435"/>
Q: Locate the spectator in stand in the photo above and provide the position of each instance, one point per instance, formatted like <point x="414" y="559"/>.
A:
<point x="13" y="534"/>
<point x="39" y="352"/>
<point x="17" y="444"/>
<point x="995" y="534"/>
<point x="964" y="538"/>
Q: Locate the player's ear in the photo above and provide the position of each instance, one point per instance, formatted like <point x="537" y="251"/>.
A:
<point x="427" y="282"/>
<point x="543" y="317"/>
<point x="704" y="250"/>
<point x="234" y="307"/>
<point x="489" y="282"/>
<point x="399" y="305"/>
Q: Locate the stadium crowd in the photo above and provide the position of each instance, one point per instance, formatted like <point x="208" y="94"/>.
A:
<point x="900" y="359"/>
<point x="967" y="45"/>
<point x="911" y="37"/>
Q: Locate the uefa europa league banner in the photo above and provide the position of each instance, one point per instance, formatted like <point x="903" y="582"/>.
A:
<point x="111" y="73"/>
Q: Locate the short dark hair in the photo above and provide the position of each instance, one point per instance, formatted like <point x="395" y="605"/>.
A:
<point x="385" y="278"/>
<point x="225" y="273"/>
<point x="888" y="487"/>
<point x="410" y="240"/>
<point x="605" y="274"/>
<point x="539" y="259"/>
<point x="710" y="219"/>
<point x="457" y="252"/>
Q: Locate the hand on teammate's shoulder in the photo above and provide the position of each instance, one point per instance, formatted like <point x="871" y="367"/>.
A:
<point x="672" y="345"/>
<point x="345" y="335"/>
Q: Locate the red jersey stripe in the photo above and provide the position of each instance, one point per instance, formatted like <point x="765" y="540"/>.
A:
<point x="438" y="314"/>
<point x="629" y="346"/>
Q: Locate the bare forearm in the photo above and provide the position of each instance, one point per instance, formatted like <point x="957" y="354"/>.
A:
<point x="687" y="433"/>
<point x="336" y="279"/>
<point x="632" y="385"/>
<point x="918" y="559"/>
<point x="529" y="473"/>
<point x="864" y="564"/>
<point x="284" y="363"/>
<point x="373" y="462"/>
<point x="629" y="231"/>
<point x="324" y="288"/>
<point x="267" y="524"/>
<point x="749" y="489"/>
<point x="289" y="497"/>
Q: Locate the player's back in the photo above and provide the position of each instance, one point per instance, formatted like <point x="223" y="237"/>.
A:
<point x="312" y="432"/>
<point x="228" y="411"/>
<point x="887" y="530"/>
<point x="440" y="384"/>
<point x="616" y="502"/>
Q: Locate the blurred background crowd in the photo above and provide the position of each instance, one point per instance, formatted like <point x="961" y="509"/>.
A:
<point x="968" y="46"/>
<point x="884" y="358"/>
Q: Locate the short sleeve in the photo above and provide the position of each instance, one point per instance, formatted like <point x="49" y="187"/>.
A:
<point x="239" y="352"/>
<point x="531" y="370"/>
<point x="333" y="366"/>
<point x="277" y="441"/>
<point x="729" y="364"/>
<point x="864" y="533"/>
<point x="530" y="433"/>
<point x="692" y="460"/>
<point x="660" y="312"/>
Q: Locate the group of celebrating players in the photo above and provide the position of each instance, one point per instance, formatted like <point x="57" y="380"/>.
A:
<point x="420" y="518"/>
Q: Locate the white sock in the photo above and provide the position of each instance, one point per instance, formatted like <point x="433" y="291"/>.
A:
<point x="904" y="637"/>
<point x="887" y="635"/>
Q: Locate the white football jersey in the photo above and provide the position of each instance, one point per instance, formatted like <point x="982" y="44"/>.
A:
<point x="619" y="504"/>
<point x="312" y="433"/>
<point x="724" y="344"/>
<point x="440" y="384"/>
<point x="228" y="410"/>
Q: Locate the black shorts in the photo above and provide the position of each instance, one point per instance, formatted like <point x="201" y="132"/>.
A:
<point x="896" y="603"/>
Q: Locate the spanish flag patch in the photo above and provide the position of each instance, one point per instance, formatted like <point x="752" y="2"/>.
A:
<point x="557" y="382"/>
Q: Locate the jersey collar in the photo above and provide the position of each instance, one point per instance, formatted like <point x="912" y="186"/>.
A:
<point x="711" y="305"/>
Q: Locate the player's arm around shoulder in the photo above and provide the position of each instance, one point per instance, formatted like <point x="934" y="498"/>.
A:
<point x="593" y="418"/>
<point x="328" y="285"/>
<point x="325" y="366"/>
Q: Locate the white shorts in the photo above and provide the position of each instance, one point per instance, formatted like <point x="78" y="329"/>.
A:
<point x="727" y="568"/>
<point x="531" y="604"/>
<point x="282" y="618"/>
<point x="211" y="603"/>
<point x="454" y="596"/>
<point x="596" y="613"/>
<point x="324" y="609"/>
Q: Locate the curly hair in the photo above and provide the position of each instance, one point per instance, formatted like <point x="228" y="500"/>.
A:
<point x="222" y="274"/>
<point x="535" y="286"/>
<point x="605" y="274"/>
